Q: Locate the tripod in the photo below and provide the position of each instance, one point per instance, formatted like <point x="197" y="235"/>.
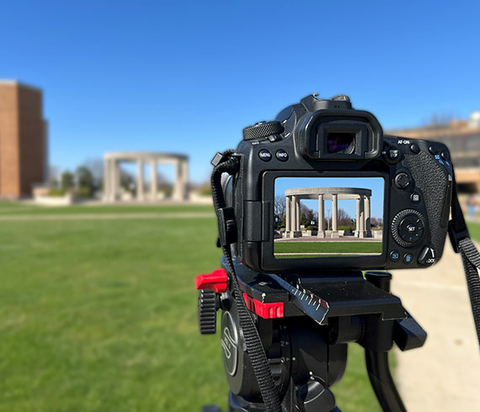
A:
<point x="305" y="323"/>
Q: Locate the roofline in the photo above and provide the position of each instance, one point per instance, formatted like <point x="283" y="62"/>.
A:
<point x="140" y="155"/>
<point x="19" y="84"/>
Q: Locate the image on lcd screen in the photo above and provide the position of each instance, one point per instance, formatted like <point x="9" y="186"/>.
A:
<point x="328" y="217"/>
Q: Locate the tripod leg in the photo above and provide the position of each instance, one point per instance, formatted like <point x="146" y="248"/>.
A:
<point x="382" y="382"/>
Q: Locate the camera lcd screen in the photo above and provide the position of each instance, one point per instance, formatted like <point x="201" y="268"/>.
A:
<point x="328" y="217"/>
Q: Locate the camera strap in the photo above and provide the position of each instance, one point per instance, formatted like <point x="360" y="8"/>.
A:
<point x="461" y="242"/>
<point x="226" y="162"/>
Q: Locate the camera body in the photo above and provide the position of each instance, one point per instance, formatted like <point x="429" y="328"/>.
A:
<point x="396" y="193"/>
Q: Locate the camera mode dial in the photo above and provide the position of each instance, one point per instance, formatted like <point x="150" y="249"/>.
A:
<point x="263" y="130"/>
<point x="408" y="227"/>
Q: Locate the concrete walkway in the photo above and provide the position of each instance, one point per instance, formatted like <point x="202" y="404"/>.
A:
<point x="444" y="375"/>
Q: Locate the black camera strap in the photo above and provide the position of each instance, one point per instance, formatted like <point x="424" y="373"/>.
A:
<point x="461" y="242"/>
<point x="226" y="162"/>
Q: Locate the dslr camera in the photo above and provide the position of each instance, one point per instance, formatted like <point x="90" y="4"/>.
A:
<point x="375" y="201"/>
<point x="305" y="205"/>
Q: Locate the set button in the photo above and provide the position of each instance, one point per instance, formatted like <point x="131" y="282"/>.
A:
<point x="411" y="229"/>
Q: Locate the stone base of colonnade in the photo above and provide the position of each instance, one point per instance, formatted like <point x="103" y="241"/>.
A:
<point x="292" y="234"/>
<point x="321" y="234"/>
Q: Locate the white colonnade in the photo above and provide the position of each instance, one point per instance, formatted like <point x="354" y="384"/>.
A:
<point x="362" y="196"/>
<point x="111" y="190"/>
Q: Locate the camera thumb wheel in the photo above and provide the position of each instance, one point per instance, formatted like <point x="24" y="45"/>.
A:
<point x="262" y="130"/>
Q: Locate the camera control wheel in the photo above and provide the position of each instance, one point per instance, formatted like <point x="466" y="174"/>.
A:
<point x="207" y="311"/>
<point x="263" y="130"/>
<point x="408" y="227"/>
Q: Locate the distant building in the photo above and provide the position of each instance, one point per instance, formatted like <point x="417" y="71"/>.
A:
<point x="463" y="141"/>
<point x="23" y="139"/>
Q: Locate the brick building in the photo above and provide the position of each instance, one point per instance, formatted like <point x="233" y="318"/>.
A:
<point x="23" y="139"/>
<point x="463" y="140"/>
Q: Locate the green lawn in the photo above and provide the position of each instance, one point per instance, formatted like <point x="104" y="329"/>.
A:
<point x="328" y="247"/>
<point x="13" y="208"/>
<point x="474" y="229"/>
<point x="101" y="316"/>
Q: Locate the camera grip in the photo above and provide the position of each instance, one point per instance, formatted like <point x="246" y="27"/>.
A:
<point x="431" y="179"/>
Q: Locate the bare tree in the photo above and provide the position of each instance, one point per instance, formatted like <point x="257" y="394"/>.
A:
<point x="96" y="166"/>
<point x="343" y="218"/>
<point x="306" y="215"/>
<point x="53" y="176"/>
<point x="280" y="206"/>
<point x="376" y="222"/>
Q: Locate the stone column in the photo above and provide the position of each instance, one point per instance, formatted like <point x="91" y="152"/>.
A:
<point x="154" y="183"/>
<point x="111" y="180"/>
<point x="357" y="221"/>
<point x="361" y="221"/>
<point x="321" y="217"/>
<point x="185" y="179"/>
<point x="140" y="180"/>
<point x="116" y="178"/>
<point x="368" y="226"/>
<point x="293" y="217"/>
<point x="179" y="189"/>
<point x="297" y="214"/>
<point x="334" y="215"/>
<point x="287" y="214"/>
<point x="106" y="180"/>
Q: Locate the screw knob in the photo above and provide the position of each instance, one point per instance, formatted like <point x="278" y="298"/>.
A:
<point x="207" y="311"/>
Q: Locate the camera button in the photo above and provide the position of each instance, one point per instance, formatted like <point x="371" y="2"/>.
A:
<point x="394" y="256"/>
<point x="414" y="148"/>
<point x="433" y="150"/>
<point x="265" y="155"/>
<point x="444" y="155"/>
<point x="402" y="180"/>
<point x="281" y="155"/>
<point x="427" y="257"/>
<point x="393" y="154"/>
<point x="407" y="258"/>
<point x="415" y="198"/>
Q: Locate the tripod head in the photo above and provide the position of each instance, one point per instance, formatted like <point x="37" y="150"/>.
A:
<point x="305" y="337"/>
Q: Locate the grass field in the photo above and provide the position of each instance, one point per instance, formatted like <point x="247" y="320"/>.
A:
<point x="328" y="248"/>
<point x="101" y="316"/>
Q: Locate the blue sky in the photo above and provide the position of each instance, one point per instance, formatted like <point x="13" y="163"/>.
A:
<point x="375" y="184"/>
<point x="187" y="76"/>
